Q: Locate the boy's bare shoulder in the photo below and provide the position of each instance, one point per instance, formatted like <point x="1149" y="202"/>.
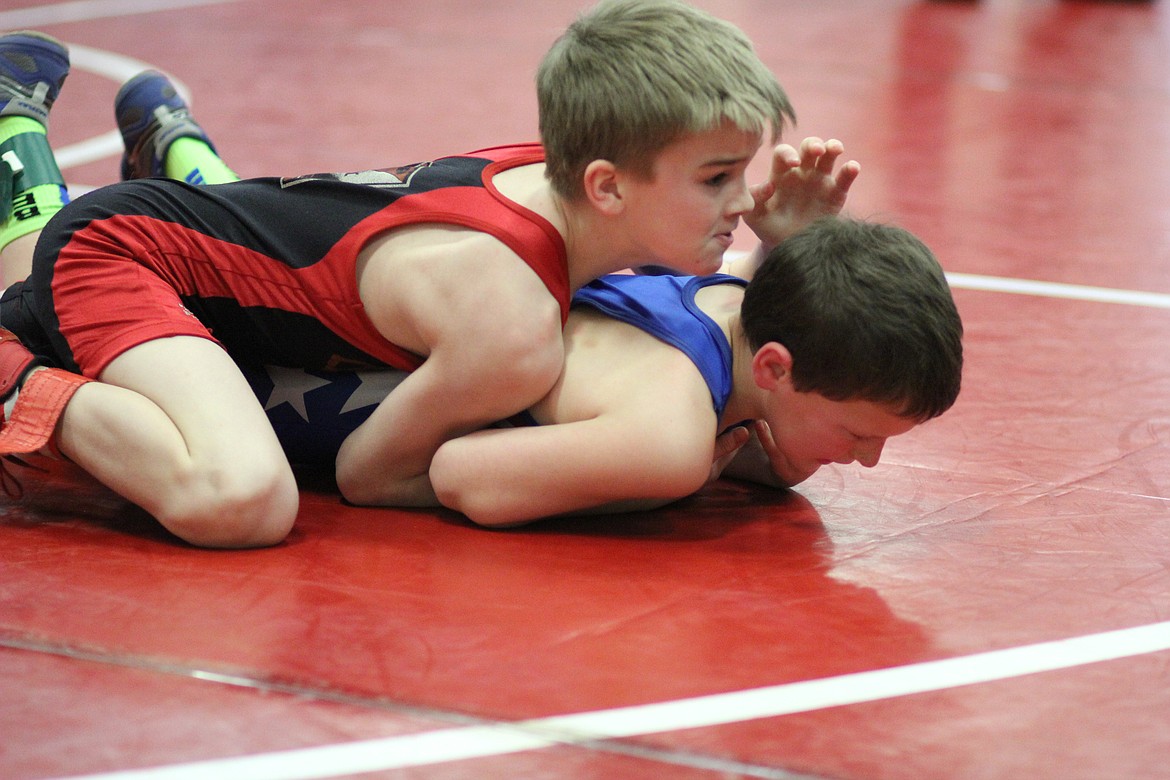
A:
<point x="421" y="281"/>
<point x="618" y="370"/>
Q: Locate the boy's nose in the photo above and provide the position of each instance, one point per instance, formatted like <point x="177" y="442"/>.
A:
<point x="743" y="202"/>
<point x="868" y="453"/>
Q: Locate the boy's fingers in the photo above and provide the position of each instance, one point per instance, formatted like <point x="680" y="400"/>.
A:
<point x="812" y="149"/>
<point x="729" y="443"/>
<point x="784" y="159"/>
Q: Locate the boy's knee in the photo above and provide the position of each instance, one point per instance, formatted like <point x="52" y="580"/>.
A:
<point x="253" y="509"/>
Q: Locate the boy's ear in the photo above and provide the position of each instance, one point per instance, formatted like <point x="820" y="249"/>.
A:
<point x="603" y="186"/>
<point x="772" y="366"/>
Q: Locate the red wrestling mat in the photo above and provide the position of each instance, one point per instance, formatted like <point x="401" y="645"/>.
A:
<point x="1022" y="541"/>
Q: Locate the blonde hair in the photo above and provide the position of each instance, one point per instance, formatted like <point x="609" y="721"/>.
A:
<point x="630" y="77"/>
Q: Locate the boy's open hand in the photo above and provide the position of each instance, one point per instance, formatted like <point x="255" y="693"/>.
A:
<point x="802" y="187"/>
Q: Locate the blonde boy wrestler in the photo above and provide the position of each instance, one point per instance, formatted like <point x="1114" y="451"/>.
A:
<point x="125" y="298"/>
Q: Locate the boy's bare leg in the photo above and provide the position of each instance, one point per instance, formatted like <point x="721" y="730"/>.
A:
<point x="174" y="427"/>
<point x="16" y="258"/>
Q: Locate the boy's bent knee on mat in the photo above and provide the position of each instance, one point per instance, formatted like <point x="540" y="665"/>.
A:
<point x="233" y="511"/>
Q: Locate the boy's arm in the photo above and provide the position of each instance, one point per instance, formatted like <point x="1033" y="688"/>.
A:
<point x="493" y="348"/>
<point x="802" y="187"/>
<point x="611" y="462"/>
<point x="384" y="461"/>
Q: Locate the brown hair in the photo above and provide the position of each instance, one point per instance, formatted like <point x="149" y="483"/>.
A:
<point x="865" y="311"/>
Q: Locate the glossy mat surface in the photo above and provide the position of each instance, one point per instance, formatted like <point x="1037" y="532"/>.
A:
<point x="992" y="601"/>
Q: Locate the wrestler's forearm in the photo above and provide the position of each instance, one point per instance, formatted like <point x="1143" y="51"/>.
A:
<point x="385" y="463"/>
<point x="386" y="460"/>
<point x="513" y="476"/>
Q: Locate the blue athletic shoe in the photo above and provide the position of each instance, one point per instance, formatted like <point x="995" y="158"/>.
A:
<point x="33" y="66"/>
<point x="152" y="115"/>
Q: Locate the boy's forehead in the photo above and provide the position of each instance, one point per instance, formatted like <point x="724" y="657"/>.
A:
<point x="722" y="145"/>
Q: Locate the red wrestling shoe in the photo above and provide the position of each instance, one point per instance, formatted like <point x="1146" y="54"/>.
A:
<point x="41" y="395"/>
<point x="15" y="361"/>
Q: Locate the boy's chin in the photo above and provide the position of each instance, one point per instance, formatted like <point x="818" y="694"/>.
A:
<point x="792" y="475"/>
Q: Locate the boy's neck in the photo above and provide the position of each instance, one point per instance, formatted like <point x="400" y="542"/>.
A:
<point x="722" y="302"/>
<point x="590" y="245"/>
<point x="744" y="403"/>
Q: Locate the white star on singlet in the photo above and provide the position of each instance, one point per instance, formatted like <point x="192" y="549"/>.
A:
<point x="289" y="385"/>
<point x="373" y="388"/>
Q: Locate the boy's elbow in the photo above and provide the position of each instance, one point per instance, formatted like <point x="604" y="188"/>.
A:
<point x="484" y="508"/>
<point x="361" y="485"/>
<point x="691" y="481"/>
<point x="678" y="477"/>
<point x="353" y="489"/>
<point x="490" y="514"/>
<point x="353" y="481"/>
<point x="460" y="489"/>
